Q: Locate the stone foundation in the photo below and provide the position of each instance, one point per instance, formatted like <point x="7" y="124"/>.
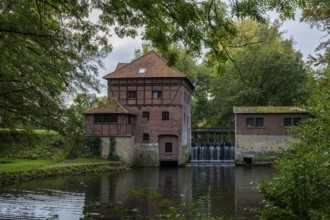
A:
<point x="185" y="155"/>
<point x="260" y="148"/>
<point x="146" y="155"/>
<point x="139" y="154"/>
<point x="123" y="147"/>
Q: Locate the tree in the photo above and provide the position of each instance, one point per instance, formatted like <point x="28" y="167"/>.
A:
<point x="200" y="76"/>
<point x="48" y="53"/>
<point x="82" y="103"/>
<point x="266" y="70"/>
<point x="50" y="50"/>
<point x="314" y="12"/>
<point x="301" y="187"/>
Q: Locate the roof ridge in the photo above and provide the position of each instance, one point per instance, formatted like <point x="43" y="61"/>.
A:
<point x="141" y="57"/>
<point x="130" y="63"/>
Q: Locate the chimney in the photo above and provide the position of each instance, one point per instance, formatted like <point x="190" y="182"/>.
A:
<point x="164" y="56"/>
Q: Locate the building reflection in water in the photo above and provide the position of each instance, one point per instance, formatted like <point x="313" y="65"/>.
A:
<point x="227" y="188"/>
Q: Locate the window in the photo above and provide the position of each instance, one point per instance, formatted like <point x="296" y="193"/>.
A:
<point x="131" y="94"/>
<point x="249" y="122"/>
<point x="129" y="120"/>
<point x="168" y="148"/>
<point x="145" y="116"/>
<point x="98" y="118"/>
<point x="145" y="137"/>
<point x="142" y="70"/>
<point x="287" y="121"/>
<point x="165" y="116"/>
<point x="156" y="94"/>
<point x="296" y="121"/>
<point x="259" y="122"/>
<point x="105" y="118"/>
<point x="113" y="119"/>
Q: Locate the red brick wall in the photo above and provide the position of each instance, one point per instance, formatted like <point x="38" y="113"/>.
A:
<point x="176" y="99"/>
<point x="273" y="123"/>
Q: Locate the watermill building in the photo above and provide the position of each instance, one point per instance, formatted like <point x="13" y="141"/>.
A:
<point x="147" y="119"/>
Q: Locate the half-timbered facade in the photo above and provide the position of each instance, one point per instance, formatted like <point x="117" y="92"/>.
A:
<point x="153" y="106"/>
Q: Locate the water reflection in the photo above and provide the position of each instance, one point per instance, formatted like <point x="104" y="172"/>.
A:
<point x="227" y="188"/>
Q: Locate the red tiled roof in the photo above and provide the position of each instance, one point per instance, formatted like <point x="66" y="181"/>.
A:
<point x="154" y="64"/>
<point x="112" y="106"/>
<point x="120" y="65"/>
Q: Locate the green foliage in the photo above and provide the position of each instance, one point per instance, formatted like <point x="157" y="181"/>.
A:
<point x="168" y="209"/>
<point x="49" y="51"/>
<point x="314" y="12"/>
<point x="264" y="69"/>
<point x="45" y="169"/>
<point x="13" y="165"/>
<point x="94" y="145"/>
<point x="39" y="144"/>
<point x="82" y="103"/>
<point x="200" y="76"/>
<point x="301" y="189"/>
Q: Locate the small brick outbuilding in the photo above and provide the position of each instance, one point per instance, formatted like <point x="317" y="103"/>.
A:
<point x="148" y="113"/>
<point x="262" y="131"/>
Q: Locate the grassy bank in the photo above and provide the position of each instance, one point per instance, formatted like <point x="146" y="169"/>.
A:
<point x="16" y="172"/>
<point x="26" y="155"/>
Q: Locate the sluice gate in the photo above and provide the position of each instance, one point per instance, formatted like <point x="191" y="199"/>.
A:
<point x="213" y="145"/>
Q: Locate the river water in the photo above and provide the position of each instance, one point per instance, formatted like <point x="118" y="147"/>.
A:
<point x="228" y="192"/>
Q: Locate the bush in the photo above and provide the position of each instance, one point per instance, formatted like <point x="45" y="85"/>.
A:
<point x="94" y="145"/>
<point x="36" y="144"/>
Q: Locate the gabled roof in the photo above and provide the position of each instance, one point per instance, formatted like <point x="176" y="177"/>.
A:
<point x="154" y="65"/>
<point x="268" y="109"/>
<point x="120" y="65"/>
<point x="111" y="106"/>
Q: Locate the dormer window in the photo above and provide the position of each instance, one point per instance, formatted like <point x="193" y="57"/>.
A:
<point x="142" y="70"/>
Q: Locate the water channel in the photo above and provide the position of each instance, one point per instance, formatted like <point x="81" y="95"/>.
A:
<point x="227" y="188"/>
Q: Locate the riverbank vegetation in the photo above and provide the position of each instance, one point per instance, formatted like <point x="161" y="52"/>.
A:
<point x="58" y="169"/>
<point x="30" y="154"/>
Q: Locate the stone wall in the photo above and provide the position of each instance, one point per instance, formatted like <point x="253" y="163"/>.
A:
<point x="123" y="147"/>
<point x="185" y="154"/>
<point x="260" y="147"/>
<point x="146" y="155"/>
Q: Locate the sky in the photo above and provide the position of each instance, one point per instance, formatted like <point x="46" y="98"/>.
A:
<point x="306" y="40"/>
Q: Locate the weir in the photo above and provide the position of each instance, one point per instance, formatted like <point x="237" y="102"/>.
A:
<point x="216" y="152"/>
<point x="213" y="145"/>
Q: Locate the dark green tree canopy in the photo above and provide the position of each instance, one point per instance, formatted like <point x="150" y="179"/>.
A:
<point x="266" y="70"/>
<point x="50" y="50"/>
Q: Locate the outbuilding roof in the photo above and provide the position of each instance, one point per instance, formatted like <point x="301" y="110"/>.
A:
<point x="149" y="65"/>
<point x="268" y="109"/>
<point x="111" y="106"/>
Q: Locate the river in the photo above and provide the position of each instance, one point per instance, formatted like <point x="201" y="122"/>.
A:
<point x="228" y="192"/>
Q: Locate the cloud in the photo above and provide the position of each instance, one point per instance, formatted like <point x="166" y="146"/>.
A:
<point x="306" y="40"/>
<point x="123" y="52"/>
